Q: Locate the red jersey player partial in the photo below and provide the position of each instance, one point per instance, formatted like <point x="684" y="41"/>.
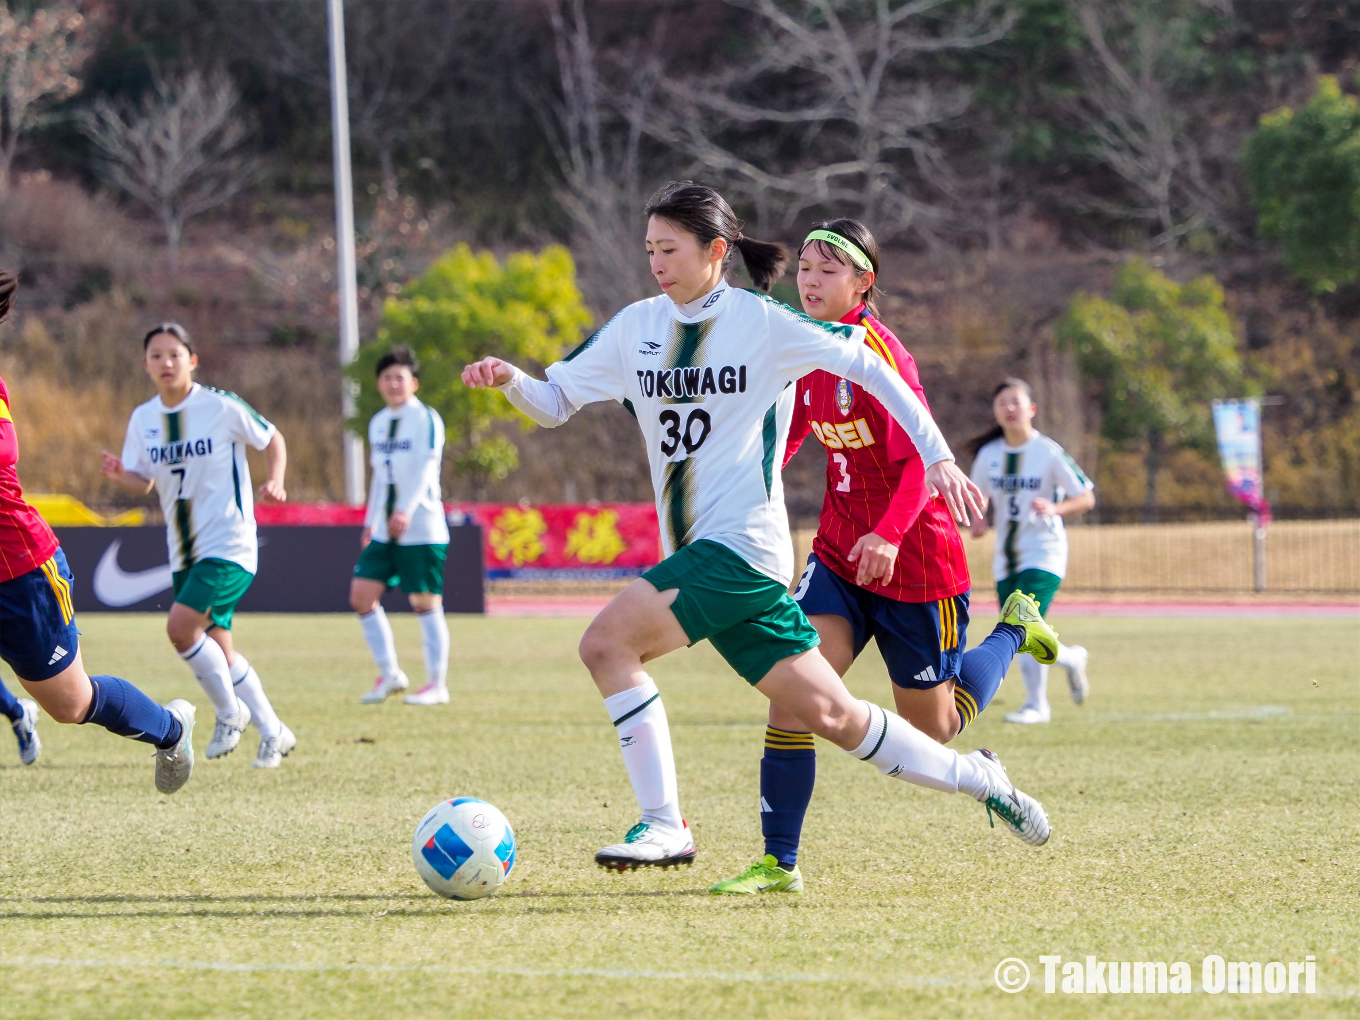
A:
<point x="887" y="562"/>
<point x="39" y="639"/>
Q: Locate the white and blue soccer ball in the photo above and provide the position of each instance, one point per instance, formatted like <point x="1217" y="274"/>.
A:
<point x="464" y="848"/>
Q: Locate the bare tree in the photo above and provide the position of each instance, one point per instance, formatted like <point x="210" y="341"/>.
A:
<point x="39" y="58"/>
<point x="833" y="106"/>
<point x="398" y="56"/>
<point x="1133" y="105"/>
<point x="179" y="152"/>
<point x="596" y="128"/>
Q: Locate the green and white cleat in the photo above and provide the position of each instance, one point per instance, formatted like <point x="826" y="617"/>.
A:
<point x="1021" y="814"/>
<point x="648" y="846"/>
<point x="1041" y="640"/>
<point x="764" y="876"/>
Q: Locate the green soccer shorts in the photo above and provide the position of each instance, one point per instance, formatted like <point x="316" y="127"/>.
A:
<point x="748" y="617"/>
<point x="1039" y="583"/>
<point x="212" y="586"/>
<point x="417" y="568"/>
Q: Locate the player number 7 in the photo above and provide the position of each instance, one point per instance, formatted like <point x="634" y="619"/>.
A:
<point x="180" y="472"/>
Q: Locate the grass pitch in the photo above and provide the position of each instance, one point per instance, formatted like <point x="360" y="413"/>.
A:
<point x="1203" y="801"/>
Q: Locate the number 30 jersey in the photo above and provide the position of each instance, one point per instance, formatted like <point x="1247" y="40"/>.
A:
<point x="710" y="383"/>
<point x="1012" y="477"/>
<point x="196" y="455"/>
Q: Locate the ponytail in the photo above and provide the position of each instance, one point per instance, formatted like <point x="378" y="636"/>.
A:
<point x="765" y="260"/>
<point x="1010" y="382"/>
<point x="699" y="210"/>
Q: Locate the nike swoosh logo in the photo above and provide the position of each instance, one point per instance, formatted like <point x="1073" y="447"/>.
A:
<point x="762" y="888"/>
<point x="117" y="588"/>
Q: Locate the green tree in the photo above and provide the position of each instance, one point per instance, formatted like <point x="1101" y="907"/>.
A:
<point x="1156" y="353"/>
<point x="468" y="306"/>
<point x="1304" y="171"/>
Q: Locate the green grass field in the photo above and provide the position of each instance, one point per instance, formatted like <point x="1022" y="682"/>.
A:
<point x="1203" y="801"/>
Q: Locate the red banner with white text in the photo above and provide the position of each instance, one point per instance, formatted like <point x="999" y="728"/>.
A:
<point x="554" y="541"/>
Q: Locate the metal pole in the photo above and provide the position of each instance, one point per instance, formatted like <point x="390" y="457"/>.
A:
<point x="344" y="247"/>
<point x="1258" y="553"/>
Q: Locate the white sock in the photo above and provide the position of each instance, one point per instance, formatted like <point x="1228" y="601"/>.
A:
<point x="434" y="640"/>
<point x="251" y="691"/>
<point x="378" y="634"/>
<point x="898" y="749"/>
<point x="645" y="740"/>
<point x="1036" y="682"/>
<point x="209" y="664"/>
<point x="1067" y="659"/>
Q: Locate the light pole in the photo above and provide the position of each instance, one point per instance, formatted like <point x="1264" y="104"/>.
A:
<point x="344" y="247"/>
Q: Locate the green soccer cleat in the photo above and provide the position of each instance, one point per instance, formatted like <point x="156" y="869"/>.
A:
<point x="765" y="875"/>
<point x="1041" y="640"/>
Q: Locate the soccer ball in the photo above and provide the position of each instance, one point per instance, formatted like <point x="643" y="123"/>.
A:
<point x="463" y="848"/>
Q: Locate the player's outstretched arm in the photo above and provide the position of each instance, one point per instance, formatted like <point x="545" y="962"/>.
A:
<point x="112" y="469"/>
<point x="276" y="463"/>
<point x="542" y="400"/>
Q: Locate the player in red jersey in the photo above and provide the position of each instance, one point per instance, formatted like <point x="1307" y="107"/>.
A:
<point x="887" y="562"/>
<point x="39" y="639"/>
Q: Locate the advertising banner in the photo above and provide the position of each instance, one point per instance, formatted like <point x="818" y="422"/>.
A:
<point x="1238" y="426"/>
<point x="571" y="541"/>
<point x="302" y="570"/>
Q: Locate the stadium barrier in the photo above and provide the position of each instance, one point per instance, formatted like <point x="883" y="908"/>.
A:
<point x="302" y="569"/>
<point x="1318" y="557"/>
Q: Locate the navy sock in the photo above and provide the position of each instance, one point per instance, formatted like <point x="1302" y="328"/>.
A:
<point x="121" y="708"/>
<point x="9" y="704"/>
<point x="983" y="669"/>
<point x="787" y="774"/>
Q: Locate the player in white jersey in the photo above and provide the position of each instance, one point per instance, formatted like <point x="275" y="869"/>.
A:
<point x="707" y="371"/>
<point x="406" y="536"/>
<point x="1033" y="484"/>
<point x="189" y="443"/>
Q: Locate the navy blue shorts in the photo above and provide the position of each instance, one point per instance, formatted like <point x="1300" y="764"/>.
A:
<point x="38" y="636"/>
<point x="921" y="642"/>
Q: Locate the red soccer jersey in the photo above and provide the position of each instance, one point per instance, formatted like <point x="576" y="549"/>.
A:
<point x="875" y="480"/>
<point x="26" y="540"/>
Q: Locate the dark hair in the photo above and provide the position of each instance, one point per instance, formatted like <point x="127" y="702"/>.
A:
<point x="1010" y="382"/>
<point x="699" y="210"/>
<point x="859" y="235"/>
<point x="174" y="329"/>
<point x="9" y="283"/>
<point x="400" y="354"/>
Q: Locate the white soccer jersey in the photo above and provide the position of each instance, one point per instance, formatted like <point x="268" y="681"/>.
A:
<point x="405" y="448"/>
<point x="1012" y="477"/>
<point x="709" y="383"/>
<point x="196" y="455"/>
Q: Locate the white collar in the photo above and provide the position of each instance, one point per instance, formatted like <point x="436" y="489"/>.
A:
<point x="705" y="306"/>
<point x="194" y="388"/>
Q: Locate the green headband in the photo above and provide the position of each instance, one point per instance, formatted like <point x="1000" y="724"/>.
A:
<point x="858" y="257"/>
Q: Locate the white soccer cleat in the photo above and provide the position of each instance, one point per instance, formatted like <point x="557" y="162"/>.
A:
<point x="26" y="732"/>
<point x="274" y="749"/>
<point x="430" y="694"/>
<point x="175" y="764"/>
<point x="227" y="732"/>
<point x="1076" y="675"/>
<point x="1022" y="814"/>
<point x="1029" y="716"/>
<point x="647" y="846"/>
<point x="384" y="687"/>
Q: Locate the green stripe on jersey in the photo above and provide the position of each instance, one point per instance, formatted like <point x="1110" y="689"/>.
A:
<point x="834" y="328"/>
<point x="263" y="422"/>
<point x="184" y="531"/>
<point x="236" y="481"/>
<point x="1076" y="470"/>
<point x="676" y="495"/>
<point x="771" y="433"/>
<point x="172" y="429"/>
<point x="1012" y="527"/>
